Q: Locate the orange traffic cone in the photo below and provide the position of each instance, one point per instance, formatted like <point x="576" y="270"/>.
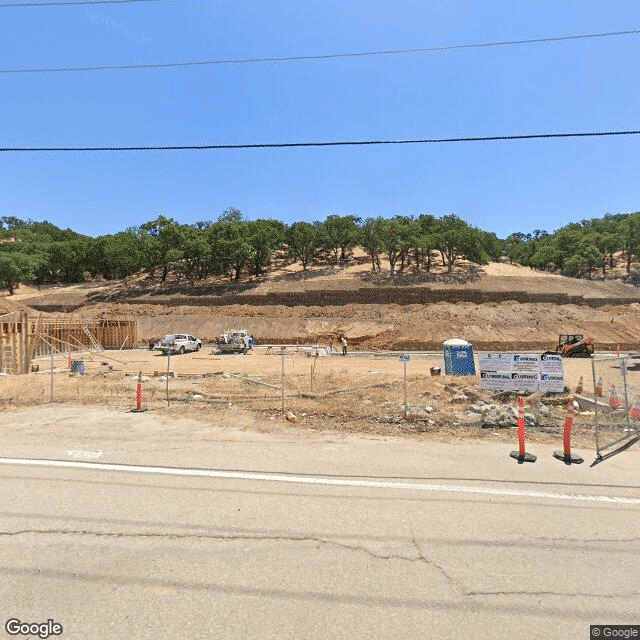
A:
<point x="600" y="387"/>
<point x="614" y="399"/>
<point x="580" y="387"/>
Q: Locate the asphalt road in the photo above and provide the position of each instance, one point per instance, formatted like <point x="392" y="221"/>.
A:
<point x="318" y="537"/>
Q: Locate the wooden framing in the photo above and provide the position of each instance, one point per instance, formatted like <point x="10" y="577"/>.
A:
<point x="24" y="336"/>
<point x="14" y="342"/>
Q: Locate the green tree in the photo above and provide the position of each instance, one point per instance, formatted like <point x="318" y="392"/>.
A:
<point x="159" y="242"/>
<point x="16" y="267"/>
<point x="586" y="256"/>
<point x="304" y="242"/>
<point x="68" y="259"/>
<point x="425" y="240"/>
<point x="517" y="249"/>
<point x="397" y="237"/>
<point x="229" y="247"/>
<point x="264" y="237"/>
<point x="371" y="239"/>
<point x="195" y="252"/>
<point x="116" y="256"/>
<point x="629" y="229"/>
<point x="455" y="238"/>
<point x="339" y="235"/>
<point x="231" y="215"/>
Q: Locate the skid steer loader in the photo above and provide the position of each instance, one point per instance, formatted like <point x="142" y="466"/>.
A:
<point x="574" y="345"/>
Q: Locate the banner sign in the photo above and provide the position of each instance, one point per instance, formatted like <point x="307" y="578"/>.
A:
<point x="524" y="372"/>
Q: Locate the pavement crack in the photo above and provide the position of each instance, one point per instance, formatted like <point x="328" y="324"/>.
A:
<point x="431" y="563"/>
<point x="593" y="540"/>
<point x="373" y="554"/>
<point x="576" y="594"/>
<point x="210" y="536"/>
<point x="158" y="535"/>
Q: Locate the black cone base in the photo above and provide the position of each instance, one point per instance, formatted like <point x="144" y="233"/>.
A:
<point x="527" y="457"/>
<point x="570" y="459"/>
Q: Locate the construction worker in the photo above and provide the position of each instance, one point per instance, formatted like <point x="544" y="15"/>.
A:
<point x="343" y="342"/>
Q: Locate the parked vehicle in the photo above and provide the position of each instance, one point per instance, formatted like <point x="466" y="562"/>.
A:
<point x="178" y="343"/>
<point x="234" y="341"/>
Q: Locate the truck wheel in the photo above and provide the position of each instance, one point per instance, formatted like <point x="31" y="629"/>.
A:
<point x="198" y="347"/>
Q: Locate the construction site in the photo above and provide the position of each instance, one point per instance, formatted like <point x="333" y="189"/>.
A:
<point x="98" y="351"/>
<point x="26" y="335"/>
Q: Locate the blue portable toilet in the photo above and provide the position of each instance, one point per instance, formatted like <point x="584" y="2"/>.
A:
<point x="458" y="358"/>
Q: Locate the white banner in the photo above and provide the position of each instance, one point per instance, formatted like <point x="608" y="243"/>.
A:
<point x="495" y="380"/>
<point x="527" y="362"/>
<point x="525" y="381"/>
<point x="524" y="372"/>
<point x="495" y="361"/>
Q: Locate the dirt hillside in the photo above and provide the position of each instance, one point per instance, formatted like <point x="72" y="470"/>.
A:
<point x="608" y="310"/>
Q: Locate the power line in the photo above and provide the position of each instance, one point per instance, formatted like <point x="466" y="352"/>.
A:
<point x="340" y="143"/>
<point x="69" y="3"/>
<point x="327" y="56"/>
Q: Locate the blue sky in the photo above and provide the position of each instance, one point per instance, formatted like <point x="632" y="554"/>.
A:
<point x="501" y="187"/>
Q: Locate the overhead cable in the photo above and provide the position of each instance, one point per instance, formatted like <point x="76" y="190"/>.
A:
<point x="67" y="3"/>
<point x="326" y="56"/>
<point x="340" y="143"/>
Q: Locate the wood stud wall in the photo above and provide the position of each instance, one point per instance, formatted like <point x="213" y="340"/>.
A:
<point x="24" y="336"/>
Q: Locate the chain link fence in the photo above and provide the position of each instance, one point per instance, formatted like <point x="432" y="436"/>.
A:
<point x="613" y="394"/>
<point x="321" y="389"/>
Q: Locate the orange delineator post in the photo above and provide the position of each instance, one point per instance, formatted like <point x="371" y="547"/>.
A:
<point x="565" y="454"/>
<point x="138" y="395"/>
<point x="521" y="446"/>
<point x="521" y="455"/>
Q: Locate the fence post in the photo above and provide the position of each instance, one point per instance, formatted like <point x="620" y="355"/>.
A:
<point x="282" y="350"/>
<point x="623" y="363"/>
<point x="405" y="389"/>
<point x="52" y="374"/>
<point x="168" y="361"/>
<point x="595" y="405"/>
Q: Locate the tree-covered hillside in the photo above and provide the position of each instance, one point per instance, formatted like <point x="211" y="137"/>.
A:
<point x="236" y="248"/>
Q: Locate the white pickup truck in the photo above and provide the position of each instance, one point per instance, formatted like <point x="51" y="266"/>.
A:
<point x="178" y="343"/>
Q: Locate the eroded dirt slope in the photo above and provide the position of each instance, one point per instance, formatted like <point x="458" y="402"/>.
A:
<point x="372" y="326"/>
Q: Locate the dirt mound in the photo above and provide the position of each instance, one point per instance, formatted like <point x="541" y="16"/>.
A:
<point x="8" y="305"/>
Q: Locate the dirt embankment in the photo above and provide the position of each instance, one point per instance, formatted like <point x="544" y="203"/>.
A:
<point x="509" y="324"/>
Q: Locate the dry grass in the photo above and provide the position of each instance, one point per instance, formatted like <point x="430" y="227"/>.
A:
<point x="337" y="399"/>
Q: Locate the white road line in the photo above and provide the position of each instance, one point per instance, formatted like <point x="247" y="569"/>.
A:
<point x="89" y="455"/>
<point x="313" y="480"/>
